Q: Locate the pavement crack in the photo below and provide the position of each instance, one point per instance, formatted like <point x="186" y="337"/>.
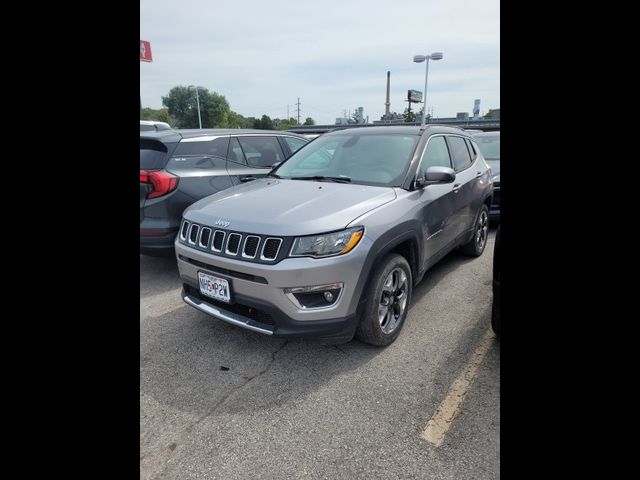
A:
<point x="189" y="428"/>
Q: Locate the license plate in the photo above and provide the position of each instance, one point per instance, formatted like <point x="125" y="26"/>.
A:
<point x="214" y="287"/>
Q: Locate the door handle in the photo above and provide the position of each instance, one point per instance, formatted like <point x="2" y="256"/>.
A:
<point x="457" y="187"/>
<point x="247" y="179"/>
<point x="479" y="174"/>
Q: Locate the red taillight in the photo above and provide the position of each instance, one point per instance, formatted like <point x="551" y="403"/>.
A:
<point x="162" y="182"/>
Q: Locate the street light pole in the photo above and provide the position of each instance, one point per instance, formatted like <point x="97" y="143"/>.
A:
<point x="426" y="58"/>
<point x="198" y="102"/>
<point x="424" y="99"/>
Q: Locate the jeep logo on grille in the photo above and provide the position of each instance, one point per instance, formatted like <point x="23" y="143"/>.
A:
<point x="222" y="223"/>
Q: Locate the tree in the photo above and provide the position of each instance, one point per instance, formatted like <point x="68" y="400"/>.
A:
<point x="491" y="113"/>
<point x="182" y="105"/>
<point x="265" y="123"/>
<point x="235" y="120"/>
<point x="160" y="115"/>
<point x="285" y="124"/>
<point x="309" y="121"/>
<point x="409" y="116"/>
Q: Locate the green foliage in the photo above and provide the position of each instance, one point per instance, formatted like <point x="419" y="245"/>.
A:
<point x="285" y="124"/>
<point x="265" y="123"/>
<point x="309" y="121"/>
<point x="490" y="113"/>
<point x="182" y="105"/>
<point x="409" y="116"/>
<point x="159" y="115"/>
<point x="235" y="120"/>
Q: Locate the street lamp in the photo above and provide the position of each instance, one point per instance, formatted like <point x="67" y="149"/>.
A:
<point x="198" y="102"/>
<point x="420" y="59"/>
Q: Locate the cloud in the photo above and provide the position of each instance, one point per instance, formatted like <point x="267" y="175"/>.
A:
<point x="334" y="55"/>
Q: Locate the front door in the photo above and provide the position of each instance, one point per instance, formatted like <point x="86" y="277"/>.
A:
<point x="437" y="201"/>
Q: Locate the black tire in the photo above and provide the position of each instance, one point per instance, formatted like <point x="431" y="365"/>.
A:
<point x="371" y="329"/>
<point x="475" y="246"/>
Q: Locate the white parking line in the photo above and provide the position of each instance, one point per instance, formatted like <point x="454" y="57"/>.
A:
<point x="161" y="304"/>
<point x="442" y="420"/>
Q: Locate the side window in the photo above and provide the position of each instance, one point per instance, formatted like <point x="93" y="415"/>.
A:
<point x="209" y="148"/>
<point x="199" y="154"/>
<point x="459" y="152"/>
<point x="472" y="150"/>
<point x="261" y="152"/>
<point x="236" y="154"/>
<point x="294" y="143"/>
<point x="436" y="155"/>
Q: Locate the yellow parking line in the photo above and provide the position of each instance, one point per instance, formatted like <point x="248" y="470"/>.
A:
<point x="442" y="420"/>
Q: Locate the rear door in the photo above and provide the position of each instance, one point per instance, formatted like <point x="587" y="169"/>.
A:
<point x="153" y="156"/>
<point x="251" y="157"/>
<point x="201" y="165"/>
<point x="464" y="185"/>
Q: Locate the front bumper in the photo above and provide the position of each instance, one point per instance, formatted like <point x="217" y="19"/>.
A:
<point x="258" y="292"/>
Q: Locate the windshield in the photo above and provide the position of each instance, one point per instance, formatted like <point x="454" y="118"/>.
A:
<point x="365" y="159"/>
<point x="489" y="146"/>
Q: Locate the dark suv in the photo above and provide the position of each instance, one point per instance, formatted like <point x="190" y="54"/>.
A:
<point x="178" y="167"/>
<point x="489" y="144"/>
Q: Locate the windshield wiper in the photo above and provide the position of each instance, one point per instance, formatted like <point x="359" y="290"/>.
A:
<point x="274" y="175"/>
<point x="321" y="178"/>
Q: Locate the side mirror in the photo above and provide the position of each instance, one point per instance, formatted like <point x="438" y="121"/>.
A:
<point x="435" y="175"/>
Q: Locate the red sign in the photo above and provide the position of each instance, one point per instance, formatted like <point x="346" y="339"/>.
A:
<point x="145" y="51"/>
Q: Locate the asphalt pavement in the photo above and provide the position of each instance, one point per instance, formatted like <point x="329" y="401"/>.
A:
<point x="221" y="402"/>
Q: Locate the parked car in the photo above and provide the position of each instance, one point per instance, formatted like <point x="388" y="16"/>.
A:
<point x="489" y="143"/>
<point x="153" y="126"/>
<point x="178" y="167"/>
<point x="495" y="307"/>
<point x="333" y="241"/>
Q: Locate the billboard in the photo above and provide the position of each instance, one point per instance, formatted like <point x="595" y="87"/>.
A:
<point x="414" y="96"/>
<point x="145" y="51"/>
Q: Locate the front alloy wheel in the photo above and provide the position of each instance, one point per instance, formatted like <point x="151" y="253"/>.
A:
<point x="388" y="296"/>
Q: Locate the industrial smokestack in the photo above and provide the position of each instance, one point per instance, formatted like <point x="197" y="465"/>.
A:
<point x="387" y="103"/>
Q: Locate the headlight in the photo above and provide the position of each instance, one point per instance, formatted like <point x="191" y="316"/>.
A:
<point x="328" y="244"/>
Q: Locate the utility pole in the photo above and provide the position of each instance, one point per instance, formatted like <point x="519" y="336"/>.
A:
<point x="298" y="104"/>
<point x="287" y="112"/>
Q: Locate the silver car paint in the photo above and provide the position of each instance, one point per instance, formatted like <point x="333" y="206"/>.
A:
<point x="271" y="206"/>
<point x="435" y="217"/>
<point x="289" y="273"/>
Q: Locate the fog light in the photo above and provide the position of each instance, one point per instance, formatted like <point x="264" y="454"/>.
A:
<point x="317" y="296"/>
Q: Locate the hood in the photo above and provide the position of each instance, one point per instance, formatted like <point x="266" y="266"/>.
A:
<point x="271" y="206"/>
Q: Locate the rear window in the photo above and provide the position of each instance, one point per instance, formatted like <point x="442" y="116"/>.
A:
<point x="153" y="155"/>
<point x="214" y="148"/>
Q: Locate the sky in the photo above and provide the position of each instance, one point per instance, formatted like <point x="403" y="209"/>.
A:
<point x="331" y="54"/>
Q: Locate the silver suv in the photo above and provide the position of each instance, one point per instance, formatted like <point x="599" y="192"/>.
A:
<point x="331" y="243"/>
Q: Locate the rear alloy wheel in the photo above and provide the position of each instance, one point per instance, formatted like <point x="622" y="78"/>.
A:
<point x="389" y="293"/>
<point x="476" y="245"/>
